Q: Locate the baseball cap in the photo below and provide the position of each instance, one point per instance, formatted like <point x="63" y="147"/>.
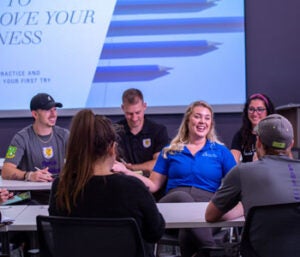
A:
<point x="43" y="101"/>
<point x="275" y="131"/>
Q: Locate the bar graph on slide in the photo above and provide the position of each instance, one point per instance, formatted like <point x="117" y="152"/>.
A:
<point x="149" y="40"/>
<point x="172" y="50"/>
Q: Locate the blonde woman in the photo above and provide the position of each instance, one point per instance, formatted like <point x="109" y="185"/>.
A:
<point x="193" y="166"/>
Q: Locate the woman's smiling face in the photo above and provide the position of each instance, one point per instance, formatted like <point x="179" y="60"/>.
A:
<point x="200" y="122"/>
<point x="256" y="111"/>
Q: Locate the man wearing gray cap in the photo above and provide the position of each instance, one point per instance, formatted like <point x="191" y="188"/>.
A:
<point x="37" y="152"/>
<point x="273" y="179"/>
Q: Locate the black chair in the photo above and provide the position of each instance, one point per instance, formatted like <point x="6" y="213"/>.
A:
<point x="272" y="231"/>
<point x="89" y="237"/>
<point x="227" y="240"/>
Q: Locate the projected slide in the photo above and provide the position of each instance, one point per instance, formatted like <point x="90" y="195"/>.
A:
<point x="86" y="53"/>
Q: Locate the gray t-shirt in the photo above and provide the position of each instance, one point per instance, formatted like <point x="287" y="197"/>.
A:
<point x="28" y="150"/>
<point x="270" y="180"/>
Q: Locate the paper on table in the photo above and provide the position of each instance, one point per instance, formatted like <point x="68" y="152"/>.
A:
<point x="6" y="220"/>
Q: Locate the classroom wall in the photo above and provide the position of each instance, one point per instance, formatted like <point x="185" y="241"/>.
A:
<point x="272" y="58"/>
<point x="272" y="43"/>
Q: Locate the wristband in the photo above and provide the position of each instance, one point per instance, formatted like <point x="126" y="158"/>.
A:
<point x="27" y="176"/>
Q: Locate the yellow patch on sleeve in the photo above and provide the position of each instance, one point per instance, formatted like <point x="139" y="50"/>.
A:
<point x="11" y="152"/>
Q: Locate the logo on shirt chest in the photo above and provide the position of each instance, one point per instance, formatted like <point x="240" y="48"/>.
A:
<point x="209" y="155"/>
<point x="147" y="142"/>
<point x="48" y="152"/>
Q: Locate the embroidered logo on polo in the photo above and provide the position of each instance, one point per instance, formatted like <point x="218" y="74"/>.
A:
<point x="48" y="152"/>
<point x="147" y="142"/>
<point x="210" y="155"/>
<point x="11" y="152"/>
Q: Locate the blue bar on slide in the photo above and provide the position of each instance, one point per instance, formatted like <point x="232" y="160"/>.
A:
<point x="161" y="6"/>
<point x="129" y="73"/>
<point x="157" y="49"/>
<point x="159" y="2"/>
<point x="175" y="26"/>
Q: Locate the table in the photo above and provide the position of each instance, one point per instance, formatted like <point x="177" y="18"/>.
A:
<point x="11" y="212"/>
<point x="19" y="185"/>
<point x="26" y="220"/>
<point x="176" y="215"/>
<point x="191" y="215"/>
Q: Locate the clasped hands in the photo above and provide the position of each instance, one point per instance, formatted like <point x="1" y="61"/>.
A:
<point x="121" y="167"/>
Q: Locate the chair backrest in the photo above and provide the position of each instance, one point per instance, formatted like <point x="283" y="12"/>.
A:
<point x="89" y="237"/>
<point x="272" y="231"/>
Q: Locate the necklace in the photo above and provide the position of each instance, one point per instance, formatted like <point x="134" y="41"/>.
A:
<point x="44" y="141"/>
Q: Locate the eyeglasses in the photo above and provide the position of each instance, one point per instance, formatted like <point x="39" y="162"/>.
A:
<point x="259" y="110"/>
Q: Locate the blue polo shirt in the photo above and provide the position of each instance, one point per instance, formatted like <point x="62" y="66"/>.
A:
<point x="203" y="170"/>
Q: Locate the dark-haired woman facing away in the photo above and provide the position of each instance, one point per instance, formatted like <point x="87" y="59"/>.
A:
<point x="87" y="187"/>
<point x="257" y="107"/>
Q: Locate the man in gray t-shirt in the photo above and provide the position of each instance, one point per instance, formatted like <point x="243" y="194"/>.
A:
<point x="273" y="179"/>
<point x="37" y="152"/>
<point x="270" y="180"/>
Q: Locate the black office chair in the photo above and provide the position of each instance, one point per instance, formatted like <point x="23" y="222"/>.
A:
<point x="227" y="241"/>
<point x="272" y="231"/>
<point x="88" y="237"/>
